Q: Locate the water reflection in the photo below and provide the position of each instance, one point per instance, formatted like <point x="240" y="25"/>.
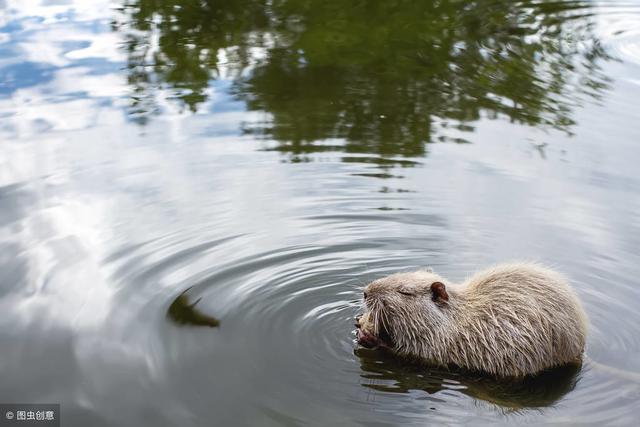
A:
<point x="384" y="373"/>
<point x="105" y="223"/>
<point x="382" y="77"/>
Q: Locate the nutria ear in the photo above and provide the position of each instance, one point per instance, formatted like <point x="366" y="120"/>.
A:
<point x="439" y="292"/>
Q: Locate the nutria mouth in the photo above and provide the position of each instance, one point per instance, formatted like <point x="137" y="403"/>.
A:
<point x="370" y="340"/>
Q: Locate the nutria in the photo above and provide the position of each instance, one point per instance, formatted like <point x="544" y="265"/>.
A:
<point x="510" y="320"/>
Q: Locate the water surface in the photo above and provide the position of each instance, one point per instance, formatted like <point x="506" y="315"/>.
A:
<point x="193" y="194"/>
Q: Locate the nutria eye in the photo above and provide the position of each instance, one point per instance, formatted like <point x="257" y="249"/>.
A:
<point x="407" y="293"/>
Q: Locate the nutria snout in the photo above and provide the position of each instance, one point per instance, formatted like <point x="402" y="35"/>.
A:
<point x="510" y="320"/>
<point x="368" y="339"/>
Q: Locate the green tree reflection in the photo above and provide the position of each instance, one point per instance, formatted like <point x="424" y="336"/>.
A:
<point x="386" y="77"/>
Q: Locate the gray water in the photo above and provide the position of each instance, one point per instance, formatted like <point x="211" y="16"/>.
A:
<point x="268" y="159"/>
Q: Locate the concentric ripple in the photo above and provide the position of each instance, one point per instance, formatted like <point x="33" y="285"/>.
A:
<point x="194" y="194"/>
<point x="285" y="343"/>
<point x="619" y="24"/>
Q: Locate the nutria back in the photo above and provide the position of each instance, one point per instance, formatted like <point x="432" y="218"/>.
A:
<point x="510" y="320"/>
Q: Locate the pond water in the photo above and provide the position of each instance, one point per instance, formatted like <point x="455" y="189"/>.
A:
<point x="267" y="159"/>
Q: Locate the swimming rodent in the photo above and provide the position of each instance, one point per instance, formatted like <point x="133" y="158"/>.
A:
<point x="510" y="320"/>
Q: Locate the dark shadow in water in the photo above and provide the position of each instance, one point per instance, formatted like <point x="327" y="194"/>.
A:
<point x="185" y="313"/>
<point x="384" y="76"/>
<point x="386" y="373"/>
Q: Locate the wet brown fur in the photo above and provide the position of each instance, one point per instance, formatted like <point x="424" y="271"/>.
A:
<point x="510" y="320"/>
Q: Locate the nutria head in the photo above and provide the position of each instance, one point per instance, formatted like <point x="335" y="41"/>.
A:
<point x="408" y="313"/>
